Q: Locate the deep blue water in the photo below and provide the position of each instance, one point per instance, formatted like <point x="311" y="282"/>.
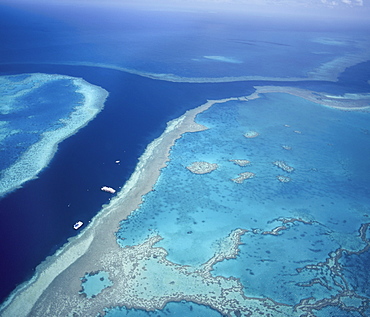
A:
<point x="161" y="42"/>
<point x="38" y="219"/>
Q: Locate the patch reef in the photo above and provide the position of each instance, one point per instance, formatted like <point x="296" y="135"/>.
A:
<point x="202" y="167"/>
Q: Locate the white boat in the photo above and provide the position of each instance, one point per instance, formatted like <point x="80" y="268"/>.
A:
<point x="78" y="225"/>
<point x="108" y="189"/>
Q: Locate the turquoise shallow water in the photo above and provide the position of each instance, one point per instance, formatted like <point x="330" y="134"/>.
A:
<point x="327" y="191"/>
<point x="93" y="283"/>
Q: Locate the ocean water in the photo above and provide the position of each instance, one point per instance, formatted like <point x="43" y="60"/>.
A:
<point x="68" y="189"/>
<point x="185" y="44"/>
<point x="328" y="188"/>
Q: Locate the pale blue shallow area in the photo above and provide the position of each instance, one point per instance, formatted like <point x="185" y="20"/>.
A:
<point x="93" y="283"/>
<point x="171" y="309"/>
<point x="327" y="189"/>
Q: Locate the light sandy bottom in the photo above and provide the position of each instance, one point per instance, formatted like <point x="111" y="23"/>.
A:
<point x="54" y="291"/>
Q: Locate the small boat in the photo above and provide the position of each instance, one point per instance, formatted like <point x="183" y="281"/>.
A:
<point x="78" y="225"/>
<point x="108" y="189"/>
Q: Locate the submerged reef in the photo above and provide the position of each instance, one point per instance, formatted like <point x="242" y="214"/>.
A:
<point x="241" y="162"/>
<point x="131" y="272"/>
<point x="283" y="166"/>
<point x="333" y="277"/>
<point x="38" y="112"/>
<point x="251" y="134"/>
<point x="242" y="177"/>
<point x="283" y="179"/>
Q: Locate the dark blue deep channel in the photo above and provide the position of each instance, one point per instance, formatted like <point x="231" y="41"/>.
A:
<point x="37" y="219"/>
